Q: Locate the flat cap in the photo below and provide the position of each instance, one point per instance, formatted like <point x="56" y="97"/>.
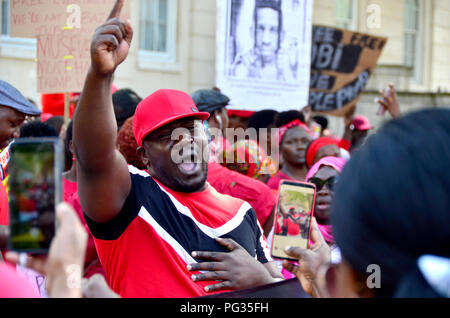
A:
<point x="209" y="100"/>
<point x="11" y="97"/>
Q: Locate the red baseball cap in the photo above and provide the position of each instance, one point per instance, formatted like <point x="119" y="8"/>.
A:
<point x="161" y="108"/>
<point x="361" y="123"/>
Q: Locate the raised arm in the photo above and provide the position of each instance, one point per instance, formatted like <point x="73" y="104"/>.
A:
<point x="102" y="174"/>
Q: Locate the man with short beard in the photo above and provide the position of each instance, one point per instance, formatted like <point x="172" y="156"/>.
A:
<point x="153" y="227"/>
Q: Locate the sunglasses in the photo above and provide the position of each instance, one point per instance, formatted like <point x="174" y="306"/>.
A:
<point x="319" y="183"/>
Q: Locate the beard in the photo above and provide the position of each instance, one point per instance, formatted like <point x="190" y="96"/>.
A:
<point x="190" y="185"/>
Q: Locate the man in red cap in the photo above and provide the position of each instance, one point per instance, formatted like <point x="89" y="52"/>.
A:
<point x="360" y="128"/>
<point x="153" y="228"/>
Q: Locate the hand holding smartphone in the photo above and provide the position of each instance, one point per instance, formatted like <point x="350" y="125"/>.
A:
<point x="292" y="224"/>
<point x="35" y="174"/>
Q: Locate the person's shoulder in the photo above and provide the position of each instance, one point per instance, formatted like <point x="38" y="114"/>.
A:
<point x="274" y="181"/>
<point x="246" y="183"/>
<point x="137" y="172"/>
<point x="253" y="184"/>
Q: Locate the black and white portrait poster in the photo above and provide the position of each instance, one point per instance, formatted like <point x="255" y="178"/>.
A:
<point x="264" y="53"/>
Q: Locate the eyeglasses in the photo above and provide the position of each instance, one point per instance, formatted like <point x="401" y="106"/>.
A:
<point x="319" y="183"/>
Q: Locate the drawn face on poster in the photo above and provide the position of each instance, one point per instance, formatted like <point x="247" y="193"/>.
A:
<point x="260" y="46"/>
<point x="263" y="57"/>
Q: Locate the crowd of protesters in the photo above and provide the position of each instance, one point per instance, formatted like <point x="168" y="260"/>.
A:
<point x="140" y="224"/>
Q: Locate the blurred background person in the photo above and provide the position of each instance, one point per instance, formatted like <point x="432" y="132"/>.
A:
<point x="127" y="145"/>
<point x="36" y="129"/>
<point x="294" y="137"/>
<point x="321" y="148"/>
<point x="92" y="263"/>
<point x="390" y="209"/>
<point x="57" y="122"/>
<point x="125" y="102"/>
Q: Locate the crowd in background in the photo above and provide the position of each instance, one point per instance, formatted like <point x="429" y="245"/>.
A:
<point x="140" y="225"/>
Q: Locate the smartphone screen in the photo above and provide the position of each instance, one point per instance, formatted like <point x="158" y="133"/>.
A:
<point x="293" y="217"/>
<point x="34" y="192"/>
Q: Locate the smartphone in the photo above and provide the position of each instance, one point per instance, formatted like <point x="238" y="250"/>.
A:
<point x="35" y="176"/>
<point x="292" y="223"/>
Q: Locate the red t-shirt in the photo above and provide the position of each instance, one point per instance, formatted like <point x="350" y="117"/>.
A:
<point x="146" y="248"/>
<point x="91" y="261"/>
<point x="253" y="191"/>
<point x="4" y="206"/>
<point x="274" y="181"/>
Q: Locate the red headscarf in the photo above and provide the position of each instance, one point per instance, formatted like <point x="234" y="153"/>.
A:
<point x="282" y="130"/>
<point x="315" y="146"/>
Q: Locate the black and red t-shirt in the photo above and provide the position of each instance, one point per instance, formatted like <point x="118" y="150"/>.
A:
<point x="145" y="249"/>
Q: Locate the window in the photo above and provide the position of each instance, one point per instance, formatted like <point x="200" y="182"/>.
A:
<point x="5" y="17"/>
<point x="158" y="24"/>
<point x="412" y="20"/>
<point x="14" y="47"/>
<point x="345" y="14"/>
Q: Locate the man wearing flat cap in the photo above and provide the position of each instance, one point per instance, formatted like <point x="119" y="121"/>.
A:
<point x="164" y="231"/>
<point x="14" y="107"/>
<point x="213" y="102"/>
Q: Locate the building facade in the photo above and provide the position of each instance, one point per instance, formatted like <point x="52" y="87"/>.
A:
<point x="174" y="46"/>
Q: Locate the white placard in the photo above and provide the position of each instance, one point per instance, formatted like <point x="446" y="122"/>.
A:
<point x="264" y="53"/>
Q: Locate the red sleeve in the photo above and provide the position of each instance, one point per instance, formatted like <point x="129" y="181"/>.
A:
<point x="4" y="206"/>
<point x="237" y="185"/>
<point x="265" y="203"/>
<point x="345" y="144"/>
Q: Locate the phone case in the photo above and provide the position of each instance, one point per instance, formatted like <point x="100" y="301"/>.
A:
<point x="57" y="179"/>
<point x="295" y="183"/>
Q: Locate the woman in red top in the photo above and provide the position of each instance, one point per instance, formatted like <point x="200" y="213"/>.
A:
<point x="294" y="137"/>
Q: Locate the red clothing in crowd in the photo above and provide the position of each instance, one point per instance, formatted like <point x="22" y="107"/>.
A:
<point x="344" y="144"/>
<point x="146" y="248"/>
<point x="274" y="181"/>
<point x="91" y="261"/>
<point x="4" y="206"/>
<point x="237" y="185"/>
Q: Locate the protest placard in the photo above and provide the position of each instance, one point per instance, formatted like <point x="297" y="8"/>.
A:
<point x="341" y="65"/>
<point x="263" y="53"/>
<point x="30" y="18"/>
<point x="64" y="31"/>
<point x="62" y="62"/>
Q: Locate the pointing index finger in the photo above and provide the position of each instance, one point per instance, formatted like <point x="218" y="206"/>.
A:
<point x="116" y="10"/>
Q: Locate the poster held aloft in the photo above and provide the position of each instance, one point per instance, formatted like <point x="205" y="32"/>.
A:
<point x="44" y="17"/>
<point x="64" y="32"/>
<point x="342" y="62"/>
<point x="62" y="62"/>
<point x="264" y="52"/>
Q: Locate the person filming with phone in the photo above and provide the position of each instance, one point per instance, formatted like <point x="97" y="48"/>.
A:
<point x="14" y="108"/>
